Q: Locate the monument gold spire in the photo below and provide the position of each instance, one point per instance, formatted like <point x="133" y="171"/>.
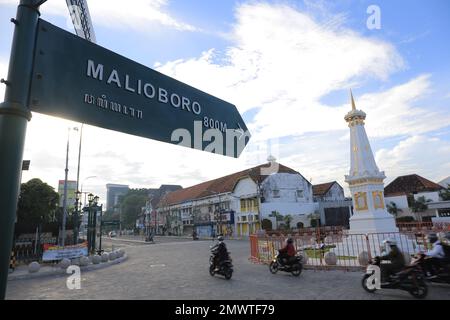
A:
<point x="353" y="101"/>
<point x="365" y="180"/>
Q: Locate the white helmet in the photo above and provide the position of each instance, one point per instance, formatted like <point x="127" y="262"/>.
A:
<point x="390" y="241"/>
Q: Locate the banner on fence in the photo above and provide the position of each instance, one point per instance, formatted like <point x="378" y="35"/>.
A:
<point x="265" y="250"/>
<point x="52" y="252"/>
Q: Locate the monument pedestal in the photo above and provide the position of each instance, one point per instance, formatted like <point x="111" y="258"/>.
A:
<point x="372" y="222"/>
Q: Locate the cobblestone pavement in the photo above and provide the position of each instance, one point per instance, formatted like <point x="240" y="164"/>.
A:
<point x="179" y="270"/>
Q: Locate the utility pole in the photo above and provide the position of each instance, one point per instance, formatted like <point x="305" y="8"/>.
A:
<point x="65" y="193"/>
<point x="76" y="215"/>
<point x="14" y="116"/>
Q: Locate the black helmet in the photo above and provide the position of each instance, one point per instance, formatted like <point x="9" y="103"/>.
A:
<point x="432" y="237"/>
<point x="220" y="238"/>
<point x="289" y="240"/>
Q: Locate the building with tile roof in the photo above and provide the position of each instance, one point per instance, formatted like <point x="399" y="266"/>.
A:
<point x="410" y="184"/>
<point x="404" y="190"/>
<point x="329" y="191"/>
<point x="237" y="203"/>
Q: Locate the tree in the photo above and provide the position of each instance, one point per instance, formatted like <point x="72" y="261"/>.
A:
<point x="445" y="194"/>
<point x="267" y="224"/>
<point x="314" y="219"/>
<point x="419" y="205"/>
<point x="287" y="220"/>
<point x="278" y="217"/>
<point x="393" y="209"/>
<point x="131" y="205"/>
<point x="38" y="204"/>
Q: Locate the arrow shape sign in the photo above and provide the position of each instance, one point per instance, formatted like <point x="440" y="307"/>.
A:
<point x="81" y="81"/>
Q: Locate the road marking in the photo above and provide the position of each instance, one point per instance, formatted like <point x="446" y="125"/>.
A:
<point x="157" y="265"/>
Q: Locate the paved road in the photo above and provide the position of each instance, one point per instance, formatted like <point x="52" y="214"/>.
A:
<point x="179" y="270"/>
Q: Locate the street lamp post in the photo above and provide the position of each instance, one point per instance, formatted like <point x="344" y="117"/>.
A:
<point x="82" y="187"/>
<point x="78" y="194"/>
<point x="92" y="221"/>
<point x="75" y="218"/>
<point x="65" y="192"/>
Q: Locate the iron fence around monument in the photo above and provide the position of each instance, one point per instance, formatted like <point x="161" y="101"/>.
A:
<point x="337" y="250"/>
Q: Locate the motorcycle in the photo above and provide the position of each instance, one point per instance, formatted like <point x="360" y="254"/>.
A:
<point x="294" y="267"/>
<point x="149" y="238"/>
<point x="410" y="279"/>
<point x="225" y="267"/>
<point x="442" y="274"/>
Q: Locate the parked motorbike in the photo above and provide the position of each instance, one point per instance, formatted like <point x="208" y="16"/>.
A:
<point x="410" y="279"/>
<point x="149" y="238"/>
<point x="294" y="267"/>
<point x="225" y="267"/>
<point x="442" y="274"/>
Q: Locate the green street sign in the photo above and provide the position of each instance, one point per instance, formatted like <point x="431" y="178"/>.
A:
<point x="81" y="81"/>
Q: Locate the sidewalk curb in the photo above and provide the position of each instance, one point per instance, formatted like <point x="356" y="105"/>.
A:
<point x="57" y="271"/>
<point x="173" y="237"/>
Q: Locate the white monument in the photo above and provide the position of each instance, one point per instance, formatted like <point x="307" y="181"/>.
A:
<point x="365" y="181"/>
<point x="370" y="223"/>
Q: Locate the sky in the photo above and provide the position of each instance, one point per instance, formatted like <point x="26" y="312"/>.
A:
<point x="286" y="65"/>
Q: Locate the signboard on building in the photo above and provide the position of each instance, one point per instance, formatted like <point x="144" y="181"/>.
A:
<point x="227" y="217"/>
<point x="78" y="80"/>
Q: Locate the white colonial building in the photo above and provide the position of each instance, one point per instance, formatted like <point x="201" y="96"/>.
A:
<point x="404" y="190"/>
<point x="237" y="204"/>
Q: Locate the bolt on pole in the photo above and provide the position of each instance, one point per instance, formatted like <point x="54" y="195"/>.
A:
<point x="14" y="116"/>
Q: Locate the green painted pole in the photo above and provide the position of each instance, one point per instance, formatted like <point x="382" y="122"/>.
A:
<point x="14" y="115"/>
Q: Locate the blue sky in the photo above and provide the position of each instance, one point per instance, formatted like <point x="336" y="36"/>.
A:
<point x="288" y="66"/>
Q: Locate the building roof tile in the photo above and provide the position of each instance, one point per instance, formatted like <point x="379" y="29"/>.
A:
<point x="410" y="184"/>
<point x="322" y="189"/>
<point x="220" y="185"/>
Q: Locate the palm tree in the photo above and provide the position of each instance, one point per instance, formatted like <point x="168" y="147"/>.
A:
<point x="445" y="194"/>
<point x="314" y="218"/>
<point x="393" y="209"/>
<point x="419" y="205"/>
<point x="278" y="217"/>
<point x="288" y="219"/>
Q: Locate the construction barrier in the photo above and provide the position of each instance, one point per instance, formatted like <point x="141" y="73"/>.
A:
<point x="337" y="250"/>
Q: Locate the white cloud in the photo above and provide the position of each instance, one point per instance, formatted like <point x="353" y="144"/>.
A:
<point x="399" y="110"/>
<point x="425" y="156"/>
<point x="137" y="15"/>
<point x="283" y="62"/>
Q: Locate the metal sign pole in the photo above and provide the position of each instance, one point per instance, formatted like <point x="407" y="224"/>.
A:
<point x="14" y="115"/>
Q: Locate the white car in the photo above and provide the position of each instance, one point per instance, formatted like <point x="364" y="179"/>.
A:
<point x="112" y="234"/>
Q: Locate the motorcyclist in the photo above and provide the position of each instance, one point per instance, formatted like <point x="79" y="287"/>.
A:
<point x="288" y="252"/>
<point x="395" y="256"/>
<point x="220" y="253"/>
<point x="434" y="258"/>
